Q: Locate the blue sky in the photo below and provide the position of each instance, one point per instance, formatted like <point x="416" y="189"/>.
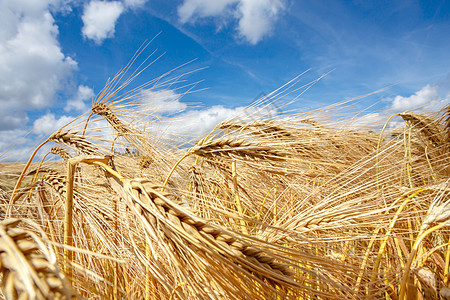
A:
<point x="56" y="55"/>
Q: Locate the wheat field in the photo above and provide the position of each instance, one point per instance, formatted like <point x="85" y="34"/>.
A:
<point x="296" y="205"/>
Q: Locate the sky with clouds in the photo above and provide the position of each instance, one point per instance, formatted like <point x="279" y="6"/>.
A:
<point x="56" y="55"/>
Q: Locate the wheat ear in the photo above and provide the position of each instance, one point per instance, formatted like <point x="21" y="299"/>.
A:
<point x="428" y="126"/>
<point x="231" y="245"/>
<point x="261" y="128"/>
<point x="61" y="152"/>
<point x="235" y="148"/>
<point x="28" y="264"/>
<point x="102" y="110"/>
<point x="132" y="135"/>
<point x="74" y="140"/>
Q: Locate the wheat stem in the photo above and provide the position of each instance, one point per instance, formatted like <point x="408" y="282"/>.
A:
<point x="447" y="263"/>
<point x="380" y="138"/>
<point x="237" y="199"/>
<point x="22" y="175"/>
<point x="406" y="278"/>
<point x="388" y="234"/>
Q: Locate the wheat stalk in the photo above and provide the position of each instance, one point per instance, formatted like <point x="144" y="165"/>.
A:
<point x="446" y="117"/>
<point x="135" y="137"/>
<point x="178" y="222"/>
<point x="61" y="136"/>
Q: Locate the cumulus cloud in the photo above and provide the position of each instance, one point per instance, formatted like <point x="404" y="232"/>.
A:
<point x="12" y="119"/>
<point x="99" y="19"/>
<point x="32" y="65"/>
<point x="426" y="98"/>
<point x="196" y="123"/>
<point x="255" y="18"/>
<point x="48" y="124"/>
<point x="78" y="103"/>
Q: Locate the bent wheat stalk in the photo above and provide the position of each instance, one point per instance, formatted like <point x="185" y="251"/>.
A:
<point x="156" y="207"/>
<point x="177" y="222"/>
<point x="135" y="137"/>
<point x="59" y="137"/>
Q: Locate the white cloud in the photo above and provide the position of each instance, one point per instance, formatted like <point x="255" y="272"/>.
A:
<point x="12" y="119"/>
<point x="99" y="19"/>
<point x="48" y="124"/>
<point x="371" y="121"/>
<point x="33" y="8"/>
<point x="255" y="17"/>
<point x="426" y="98"/>
<point x="78" y="103"/>
<point x="32" y="65"/>
<point x="134" y="3"/>
<point x="164" y="101"/>
<point x="193" y="9"/>
<point x="196" y="123"/>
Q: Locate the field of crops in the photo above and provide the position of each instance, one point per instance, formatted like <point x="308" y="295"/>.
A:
<point x="292" y="205"/>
